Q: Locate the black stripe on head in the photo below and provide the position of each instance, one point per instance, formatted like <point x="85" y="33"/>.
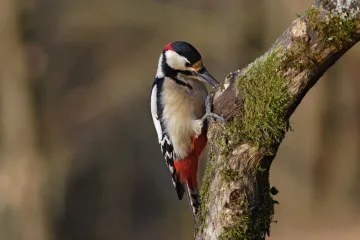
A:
<point x="186" y="50"/>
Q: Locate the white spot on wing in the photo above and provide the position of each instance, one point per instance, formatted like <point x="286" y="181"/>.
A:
<point x="154" y="113"/>
<point x="168" y="155"/>
<point x="165" y="139"/>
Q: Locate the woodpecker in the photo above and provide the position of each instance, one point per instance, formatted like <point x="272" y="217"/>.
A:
<point x="180" y="106"/>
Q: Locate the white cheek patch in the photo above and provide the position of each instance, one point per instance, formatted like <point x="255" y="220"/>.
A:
<point x="175" y="61"/>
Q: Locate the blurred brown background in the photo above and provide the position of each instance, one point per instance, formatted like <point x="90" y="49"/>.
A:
<point x="79" y="157"/>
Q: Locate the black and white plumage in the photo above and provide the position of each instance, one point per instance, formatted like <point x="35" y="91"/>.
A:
<point x="167" y="148"/>
<point x="179" y="114"/>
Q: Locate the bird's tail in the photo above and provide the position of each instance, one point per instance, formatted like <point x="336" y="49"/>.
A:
<point x="194" y="199"/>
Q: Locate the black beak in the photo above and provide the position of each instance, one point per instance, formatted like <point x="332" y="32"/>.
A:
<point x="206" y="77"/>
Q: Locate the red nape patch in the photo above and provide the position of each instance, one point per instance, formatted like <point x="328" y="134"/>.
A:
<point x="168" y="47"/>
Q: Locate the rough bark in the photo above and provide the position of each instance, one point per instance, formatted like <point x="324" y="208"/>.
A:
<point x="237" y="199"/>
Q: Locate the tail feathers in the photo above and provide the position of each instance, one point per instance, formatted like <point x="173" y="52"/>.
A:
<point x="179" y="189"/>
<point x="194" y="199"/>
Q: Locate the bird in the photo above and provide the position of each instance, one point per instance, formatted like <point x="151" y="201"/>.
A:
<point x="180" y="107"/>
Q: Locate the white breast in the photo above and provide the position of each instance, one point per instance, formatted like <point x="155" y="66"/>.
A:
<point x="181" y="109"/>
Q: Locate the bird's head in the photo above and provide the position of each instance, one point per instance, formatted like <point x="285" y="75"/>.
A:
<point x="181" y="58"/>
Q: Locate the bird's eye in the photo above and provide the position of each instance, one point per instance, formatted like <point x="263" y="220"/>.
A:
<point x="187" y="64"/>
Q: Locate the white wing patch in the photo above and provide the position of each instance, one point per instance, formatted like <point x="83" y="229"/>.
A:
<point x="159" y="71"/>
<point x="154" y="113"/>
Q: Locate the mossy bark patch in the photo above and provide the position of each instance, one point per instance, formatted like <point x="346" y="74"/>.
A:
<point x="336" y="27"/>
<point x="266" y="97"/>
<point x="229" y="175"/>
<point x="204" y="194"/>
<point x="252" y="223"/>
<point x="237" y="199"/>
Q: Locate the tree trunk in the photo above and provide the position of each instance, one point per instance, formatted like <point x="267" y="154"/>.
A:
<point x="237" y="199"/>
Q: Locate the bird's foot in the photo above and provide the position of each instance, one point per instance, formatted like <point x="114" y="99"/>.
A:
<point x="209" y="113"/>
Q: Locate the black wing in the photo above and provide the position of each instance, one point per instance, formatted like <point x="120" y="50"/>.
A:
<point x="164" y="139"/>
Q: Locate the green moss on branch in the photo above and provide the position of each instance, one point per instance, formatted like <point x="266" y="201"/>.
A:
<point x="252" y="223"/>
<point x="267" y="94"/>
<point x="205" y="194"/>
<point x="229" y="175"/>
<point x="266" y="99"/>
<point x="335" y="28"/>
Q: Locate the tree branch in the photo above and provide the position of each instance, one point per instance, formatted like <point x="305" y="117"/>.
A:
<point x="236" y="195"/>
